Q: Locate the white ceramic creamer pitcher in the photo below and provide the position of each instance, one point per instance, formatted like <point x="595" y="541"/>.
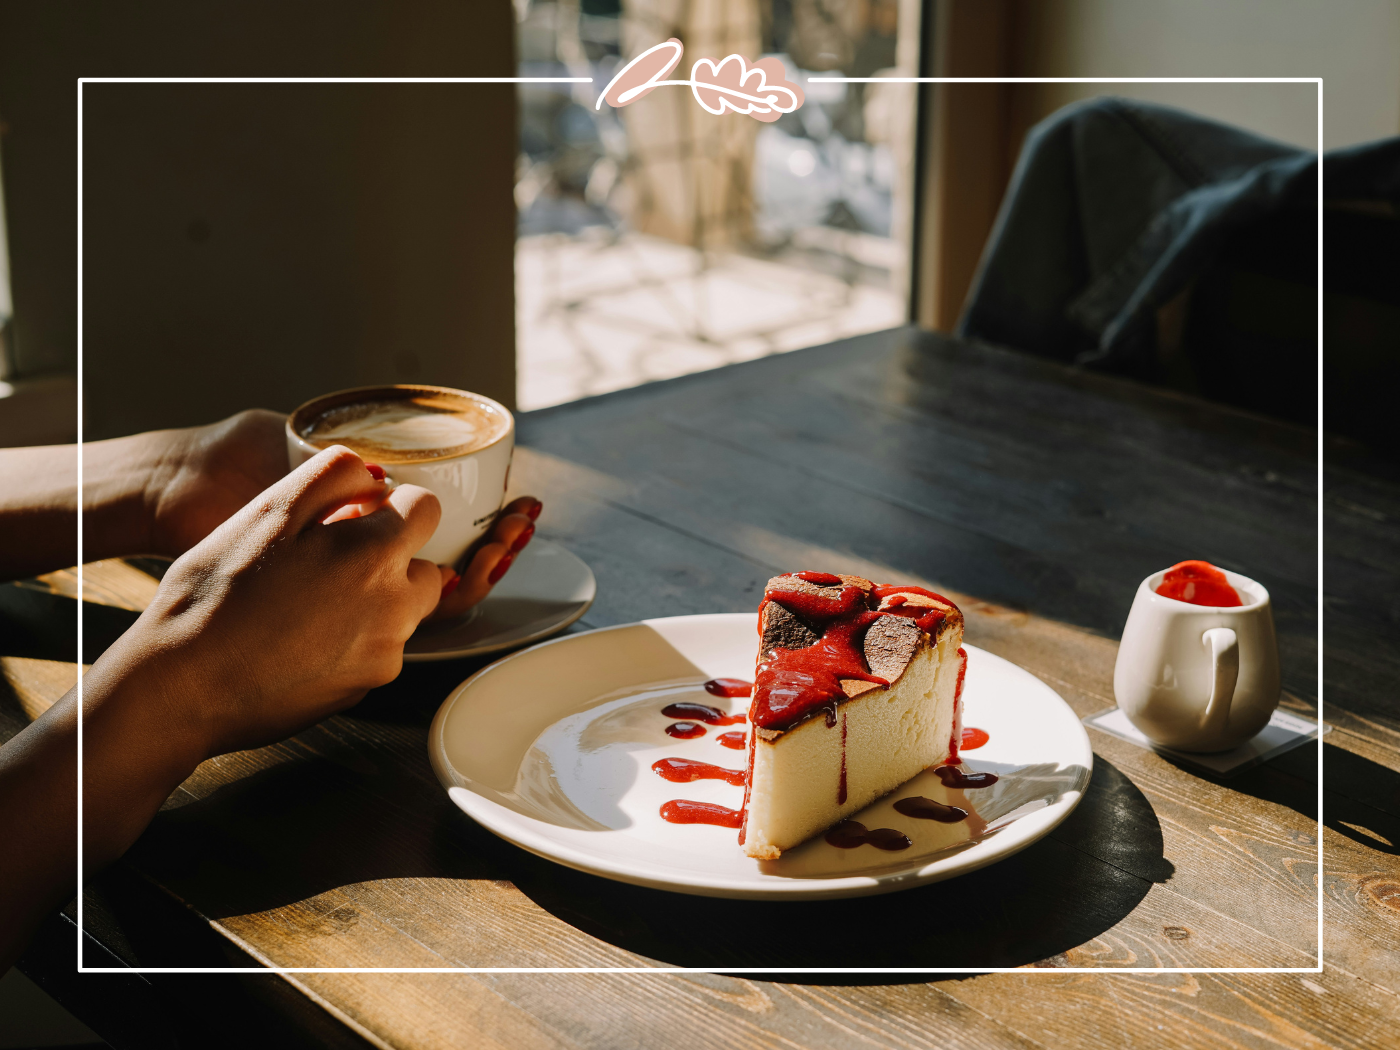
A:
<point x="1198" y="677"/>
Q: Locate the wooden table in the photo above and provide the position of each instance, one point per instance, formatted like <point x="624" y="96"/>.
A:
<point x="1038" y="497"/>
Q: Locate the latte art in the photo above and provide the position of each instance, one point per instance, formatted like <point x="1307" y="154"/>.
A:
<point x="405" y="429"/>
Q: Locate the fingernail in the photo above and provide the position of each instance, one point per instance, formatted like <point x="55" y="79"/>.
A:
<point x="375" y="471"/>
<point x="522" y="539"/>
<point x="501" y="567"/>
<point x="450" y="586"/>
<point x="534" y="512"/>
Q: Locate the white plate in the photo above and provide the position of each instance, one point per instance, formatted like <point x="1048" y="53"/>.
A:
<point x="551" y="749"/>
<point x="546" y="589"/>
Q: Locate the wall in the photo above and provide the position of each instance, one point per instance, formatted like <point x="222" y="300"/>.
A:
<point x="257" y="245"/>
<point x="1354" y="45"/>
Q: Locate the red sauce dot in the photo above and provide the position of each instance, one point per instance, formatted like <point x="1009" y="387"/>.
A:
<point x="973" y="738"/>
<point x="954" y="777"/>
<point x="821" y="579"/>
<point x="928" y="809"/>
<point x="852" y="833"/>
<point x="735" y="740"/>
<point x="685" y="730"/>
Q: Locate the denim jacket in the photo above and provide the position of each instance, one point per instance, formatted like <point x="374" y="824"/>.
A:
<point x="1115" y="206"/>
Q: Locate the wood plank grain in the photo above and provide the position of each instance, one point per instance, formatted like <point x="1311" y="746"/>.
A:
<point x="674" y="1010"/>
<point x="116" y="582"/>
<point x="37" y="684"/>
<point x="1329" y="1009"/>
<point x="427" y="1012"/>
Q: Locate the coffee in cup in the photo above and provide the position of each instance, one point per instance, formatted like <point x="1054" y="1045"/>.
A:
<point x="413" y="424"/>
<point x="454" y="443"/>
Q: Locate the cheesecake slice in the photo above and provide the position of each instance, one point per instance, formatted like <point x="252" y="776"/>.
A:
<point x="857" y="690"/>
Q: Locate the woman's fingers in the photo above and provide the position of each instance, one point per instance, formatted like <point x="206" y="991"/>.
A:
<point x="527" y="505"/>
<point x="324" y="485"/>
<point x="406" y="519"/>
<point x="476" y="579"/>
<point x="509" y="536"/>
<point x="425" y="581"/>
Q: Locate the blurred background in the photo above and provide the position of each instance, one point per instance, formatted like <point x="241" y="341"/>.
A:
<point x="658" y="240"/>
<point x="260" y="244"/>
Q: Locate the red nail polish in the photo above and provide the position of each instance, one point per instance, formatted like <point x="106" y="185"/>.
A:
<point x="450" y="586"/>
<point x="375" y="471"/>
<point x="534" y="512"/>
<point x="522" y="539"/>
<point x="501" y="567"/>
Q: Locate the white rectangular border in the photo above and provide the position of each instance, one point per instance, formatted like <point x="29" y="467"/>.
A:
<point x="694" y="969"/>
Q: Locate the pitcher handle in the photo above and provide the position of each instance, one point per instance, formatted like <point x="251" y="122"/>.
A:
<point x="1225" y="672"/>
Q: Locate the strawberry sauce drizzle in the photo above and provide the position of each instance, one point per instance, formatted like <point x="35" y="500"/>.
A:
<point x="687" y="770"/>
<point x="955" y="742"/>
<point x="684" y="811"/>
<point x="894" y="600"/>
<point x="702" y="713"/>
<point x="748" y="786"/>
<point x="793" y="684"/>
<point x="841" y="784"/>
<point x="728" y="687"/>
<point x="738" y="741"/>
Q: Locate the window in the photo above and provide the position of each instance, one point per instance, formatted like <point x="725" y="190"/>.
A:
<point x="658" y="239"/>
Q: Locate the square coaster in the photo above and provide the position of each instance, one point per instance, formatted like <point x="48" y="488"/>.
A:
<point x="1283" y="733"/>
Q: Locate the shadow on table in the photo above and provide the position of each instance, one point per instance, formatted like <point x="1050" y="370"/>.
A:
<point x="1362" y="797"/>
<point x="345" y="815"/>
<point x="1064" y="890"/>
<point x="43" y="626"/>
<point x="353" y="801"/>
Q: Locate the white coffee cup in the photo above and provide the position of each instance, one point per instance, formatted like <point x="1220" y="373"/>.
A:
<point x="470" y="486"/>
<point x="1198" y="677"/>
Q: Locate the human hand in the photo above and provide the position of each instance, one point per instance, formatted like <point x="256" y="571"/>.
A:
<point x="201" y="476"/>
<point x="489" y="559"/>
<point x="277" y="619"/>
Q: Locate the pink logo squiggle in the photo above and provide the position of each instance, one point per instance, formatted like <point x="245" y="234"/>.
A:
<point x="731" y="84"/>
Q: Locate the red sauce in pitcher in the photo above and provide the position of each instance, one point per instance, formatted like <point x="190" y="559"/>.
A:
<point x="1199" y="583"/>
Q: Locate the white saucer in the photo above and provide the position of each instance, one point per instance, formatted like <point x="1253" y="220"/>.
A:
<point x="546" y="589"/>
<point x="551" y="749"/>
